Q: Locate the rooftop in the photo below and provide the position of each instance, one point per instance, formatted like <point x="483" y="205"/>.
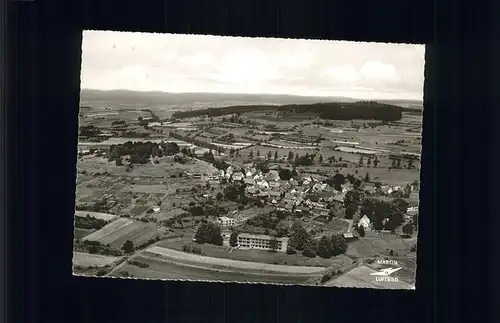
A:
<point x="261" y="236"/>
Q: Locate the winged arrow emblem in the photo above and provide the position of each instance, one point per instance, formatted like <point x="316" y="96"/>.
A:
<point x="386" y="271"/>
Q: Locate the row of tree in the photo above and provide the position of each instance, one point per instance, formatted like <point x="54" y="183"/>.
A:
<point x="369" y="161"/>
<point x="326" y="247"/>
<point x="396" y="163"/>
<point x="140" y="152"/>
<point x="89" y="222"/>
<point x="209" y="232"/>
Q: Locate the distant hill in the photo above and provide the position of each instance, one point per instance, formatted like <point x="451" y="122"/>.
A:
<point x="197" y="99"/>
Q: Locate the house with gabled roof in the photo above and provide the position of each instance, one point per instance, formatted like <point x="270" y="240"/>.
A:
<point x="249" y="181"/>
<point x="274" y="194"/>
<point x="252" y="189"/>
<point x="339" y="198"/>
<point x="364" y="222"/>
<point x="275" y="185"/>
<point x="263" y="184"/>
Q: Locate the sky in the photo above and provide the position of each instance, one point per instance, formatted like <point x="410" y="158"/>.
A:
<point x="219" y="64"/>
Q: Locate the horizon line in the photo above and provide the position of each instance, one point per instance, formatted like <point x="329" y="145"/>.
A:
<point x="275" y="94"/>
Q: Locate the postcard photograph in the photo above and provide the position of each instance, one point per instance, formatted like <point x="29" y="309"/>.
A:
<point x="248" y="160"/>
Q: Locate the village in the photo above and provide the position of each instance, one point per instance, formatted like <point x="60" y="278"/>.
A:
<point x="313" y="190"/>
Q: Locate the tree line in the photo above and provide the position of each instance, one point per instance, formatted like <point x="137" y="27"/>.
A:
<point x="364" y="110"/>
<point x="326" y="247"/>
<point x="140" y="152"/>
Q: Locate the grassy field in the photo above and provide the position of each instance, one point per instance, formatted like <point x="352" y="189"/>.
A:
<point x="80" y="233"/>
<point x="264" y="150"/>
<point x="165" y="168"/>
<point x="409" y="270"/>
<point x="136" y="191"/>
<point x="159" y="269"/>
<point x="360" y="249"/>
<point x="97" y="215"/>
<point x="260" y="256"/>
<point x="337" y="225"/>
<point x="86" y="259"/>
<point x="384" y="243"/>
<point x="121" y="230"/>
<point x="383" y="175"/>
<point x="228" y="264"/>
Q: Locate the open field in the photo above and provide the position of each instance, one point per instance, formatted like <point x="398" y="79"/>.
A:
<point x="87" y="259"/>
<point x="80" y="233"/>
<point x="97" y="215"/>
<point x="257" y="256"/>
<point x="386" y="176"/>
<point x="338" y="225"/>
<point x="409" y="270"/>
<point x="377" y="174"/>
<point x="110" y="228"/>
<point x="382" y="244"/>
<point x="360" y="249"/>
<point x="121" y="230"/>
<point x="165" y="168"/>
<point x="230" y="264"/>
<point x="264" y="150"/>
<point x="164" y="269"/>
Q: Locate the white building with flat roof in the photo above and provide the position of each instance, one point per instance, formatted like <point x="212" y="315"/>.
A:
<point x="261" y="242"/>
<point x="227" y="222"/>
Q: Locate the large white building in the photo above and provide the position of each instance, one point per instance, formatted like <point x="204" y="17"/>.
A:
<point x="227" y="222"/>
<point x="260" y="242"/>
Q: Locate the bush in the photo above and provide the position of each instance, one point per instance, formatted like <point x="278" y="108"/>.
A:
<point x="209" y="233"/>
<point x="101" y="273"/>
<point x="309" y="253"/>
<point x="233" y="239"/>
<point x="290" y="251"/>
<point x="361" y="230"/>
<point x="339" y="245"/>
<point x="89" y="222"/>
<point x="325" y="278"/>
<point x="325" y="249"/>
<point x="138" y="264"/>
<point x="408" y="229"/>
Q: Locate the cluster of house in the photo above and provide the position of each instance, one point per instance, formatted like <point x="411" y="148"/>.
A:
<point x="309" y="194"/>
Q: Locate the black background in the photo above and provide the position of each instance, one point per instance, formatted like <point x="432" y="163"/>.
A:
<point x="41" y="99"/>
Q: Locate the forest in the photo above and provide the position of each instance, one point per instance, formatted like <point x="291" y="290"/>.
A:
<point x="363" y="110"/>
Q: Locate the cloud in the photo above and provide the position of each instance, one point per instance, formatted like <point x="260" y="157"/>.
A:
<point x="196" y="63"/>
<point x="343" y="74"/>
<point x="375" y="71"/>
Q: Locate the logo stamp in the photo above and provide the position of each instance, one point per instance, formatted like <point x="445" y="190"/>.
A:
<point x="384" y="275"/>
